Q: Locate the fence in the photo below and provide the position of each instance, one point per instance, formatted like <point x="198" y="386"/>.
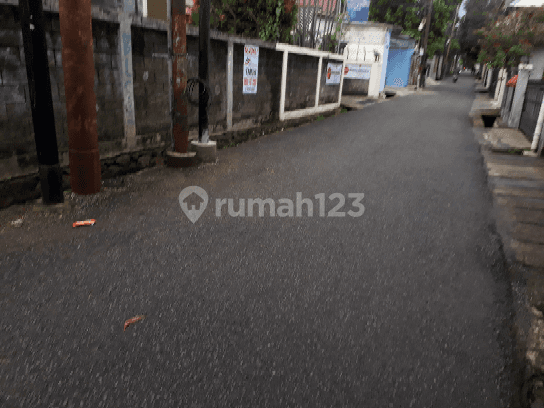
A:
<point x="531" y="108"/>
<point x="322" y="94"/>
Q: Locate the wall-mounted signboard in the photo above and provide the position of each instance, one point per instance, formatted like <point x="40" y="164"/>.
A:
<point x="334" y="72"/>
<point x="251" y="69"/>
<point x="357" y="71"/>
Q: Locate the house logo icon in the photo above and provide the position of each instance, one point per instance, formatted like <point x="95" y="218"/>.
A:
<point x="193" y="201"/>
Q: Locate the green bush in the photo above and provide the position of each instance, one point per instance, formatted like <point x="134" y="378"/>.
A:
<point x="264" y="19"/>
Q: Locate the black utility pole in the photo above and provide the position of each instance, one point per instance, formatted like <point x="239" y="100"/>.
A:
<point x="41" y="102"/>
<point x="425" y="42"/>
<point x="204" y="43"/>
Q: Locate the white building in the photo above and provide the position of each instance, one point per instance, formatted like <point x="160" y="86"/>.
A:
<point x="368" y="43"/>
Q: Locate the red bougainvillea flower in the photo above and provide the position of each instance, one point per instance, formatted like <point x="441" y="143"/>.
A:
<point x="496" y="45"/>
<point x="222" y="17"/>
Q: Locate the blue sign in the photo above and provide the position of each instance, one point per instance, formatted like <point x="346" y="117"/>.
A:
<point x="358" y="10"/>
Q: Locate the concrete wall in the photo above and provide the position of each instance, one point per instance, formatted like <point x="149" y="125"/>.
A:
<point x="107" y="4"/>
<point x="363" y="40"/>
<point x="366" y="39"/>
<point x="253" y="109"/>
<point x="157" y="9"/>
<point x="355" y="86"/>
<point x="17" y="147"/>
<point x="145" y="46"/>
<point x="300" y="91"/>
<point x="537" y="59"/>
<point x="16" y="133"/>
<point x="328" y="93"/>
<point x="151" y="83"/>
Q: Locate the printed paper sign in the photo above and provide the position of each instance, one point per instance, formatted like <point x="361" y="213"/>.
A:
<point x="357" y="71"/>
<point x="251" y="69"/>
<point x="334" y="72"/>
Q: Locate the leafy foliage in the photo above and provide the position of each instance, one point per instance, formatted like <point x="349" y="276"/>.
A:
<point x="268" y="20"/>
<point x="478" y="14"/>
<point x="504" y="41"/>
<point x="409" y="13"/>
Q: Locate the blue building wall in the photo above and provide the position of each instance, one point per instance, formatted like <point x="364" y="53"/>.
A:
<point x="398" y="67"/>
<point x="385" y="59"/>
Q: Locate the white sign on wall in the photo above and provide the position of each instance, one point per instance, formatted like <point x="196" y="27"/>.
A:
<point x="334" y="72"/>
<point x="251" y="69"/>
<point x="357" y="71"/>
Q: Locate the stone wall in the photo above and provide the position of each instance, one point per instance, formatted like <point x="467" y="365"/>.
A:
<point x="265" y="104"/>
<point x="151" y="83"/>
<point x="218" y="83"/>
<point x="301" y="77"/>
<point x="328" y="93"/>
<point x="16" y="132"/>
<point x="18" y="160"/>
<point x="17" y="147"/>
<point x="252" y="114"/>
<point x="107" y="84"/>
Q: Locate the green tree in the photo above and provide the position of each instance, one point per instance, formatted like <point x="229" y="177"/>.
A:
<point x="504" y="41"/>
<point x="268" y="20"/>
<point x="409" y="13"/>
<point x="478" y="13"/>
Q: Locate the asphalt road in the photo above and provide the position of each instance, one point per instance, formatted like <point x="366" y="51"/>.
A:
<point x="405" y="306"/>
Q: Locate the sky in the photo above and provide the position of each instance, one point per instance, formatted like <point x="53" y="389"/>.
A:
<point x="462" y="10"/>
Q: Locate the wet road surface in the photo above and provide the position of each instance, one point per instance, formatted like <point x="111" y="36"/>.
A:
<point x="404" y="306"/>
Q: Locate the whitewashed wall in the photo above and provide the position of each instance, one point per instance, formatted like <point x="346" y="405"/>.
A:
<point x="537" y="59"/>
<point x="363" y="41"/>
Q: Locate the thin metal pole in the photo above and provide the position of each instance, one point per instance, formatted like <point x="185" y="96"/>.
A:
<point x="180" y="129"/>
<point x="78" y="66"/>
<point x="203" y="56"/>
<point x="41" y="102"/>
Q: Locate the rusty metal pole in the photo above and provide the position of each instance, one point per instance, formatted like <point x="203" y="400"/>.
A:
<point x="180" y="128"/>
<point x="77" y="62"/>
<point x="41" y="102"/>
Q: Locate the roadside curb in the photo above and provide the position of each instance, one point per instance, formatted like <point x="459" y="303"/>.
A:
<point x="527" y="288"/>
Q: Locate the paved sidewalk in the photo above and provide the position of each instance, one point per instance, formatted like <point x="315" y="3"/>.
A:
<point x="483" y="105"/>
<point x="357" y="102"/>
<point x="516" y="181"/>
